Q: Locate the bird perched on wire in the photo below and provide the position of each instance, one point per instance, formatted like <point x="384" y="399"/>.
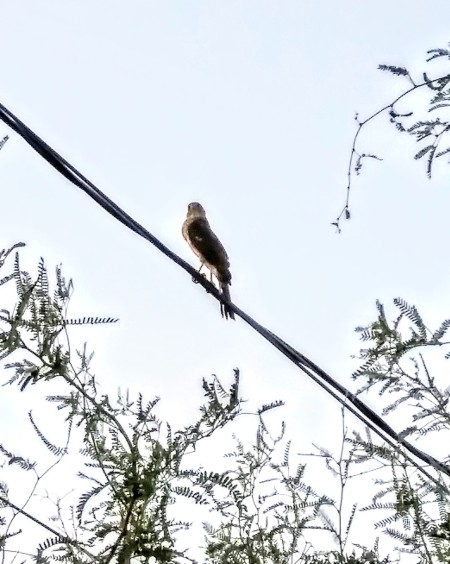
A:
<point x="210" y="251"/>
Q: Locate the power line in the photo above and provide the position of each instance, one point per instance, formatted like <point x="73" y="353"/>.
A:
<point x="336" y="390"/>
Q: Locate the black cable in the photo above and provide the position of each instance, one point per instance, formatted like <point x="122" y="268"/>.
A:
<point x="336" y="390"/>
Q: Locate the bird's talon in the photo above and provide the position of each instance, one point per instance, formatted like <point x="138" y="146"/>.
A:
<point x="195" y="281"/>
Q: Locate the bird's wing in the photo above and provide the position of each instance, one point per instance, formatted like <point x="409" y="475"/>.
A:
<point x="205" y="243"/>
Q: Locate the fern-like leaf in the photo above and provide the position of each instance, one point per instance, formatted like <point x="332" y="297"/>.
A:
<point x="91" y="320"/>
<point x="84" y="499"/>
<point x="423" y="152"/>
<point x="184" y="491"/>
<point x="56" y="451"/>
<point x="413" y="315"/>
<point x="53" y="541"/>
<point x="350" y="519"/>
<point x="440" y="333"/>
<point x="268" y="406"/>
<point x="286" y="454"/>
<point x="436" y="53"/>
<point x="3" y="141"/>
<point x="399" y="71"/>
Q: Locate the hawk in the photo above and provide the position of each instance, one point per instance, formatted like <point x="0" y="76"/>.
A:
<point x="209" y="249"/>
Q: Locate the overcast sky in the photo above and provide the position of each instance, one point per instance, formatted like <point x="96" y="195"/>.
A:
<point x="246" y="107"/>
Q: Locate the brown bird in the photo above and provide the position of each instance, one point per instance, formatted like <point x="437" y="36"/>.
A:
<point x="210" y="251"/>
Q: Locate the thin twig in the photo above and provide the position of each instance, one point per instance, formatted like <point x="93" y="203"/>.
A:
<point x="346" y="209"/>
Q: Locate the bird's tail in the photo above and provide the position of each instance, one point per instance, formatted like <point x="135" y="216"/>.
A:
<point x="225" y="310"/>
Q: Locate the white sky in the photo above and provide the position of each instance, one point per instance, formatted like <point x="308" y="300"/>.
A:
<point x="248" y="108"/>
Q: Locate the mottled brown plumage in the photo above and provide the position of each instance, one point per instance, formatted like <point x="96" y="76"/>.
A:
<point x="206" y="245"/>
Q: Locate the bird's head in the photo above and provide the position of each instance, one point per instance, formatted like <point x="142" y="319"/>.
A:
<point x="196" y="210"/>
